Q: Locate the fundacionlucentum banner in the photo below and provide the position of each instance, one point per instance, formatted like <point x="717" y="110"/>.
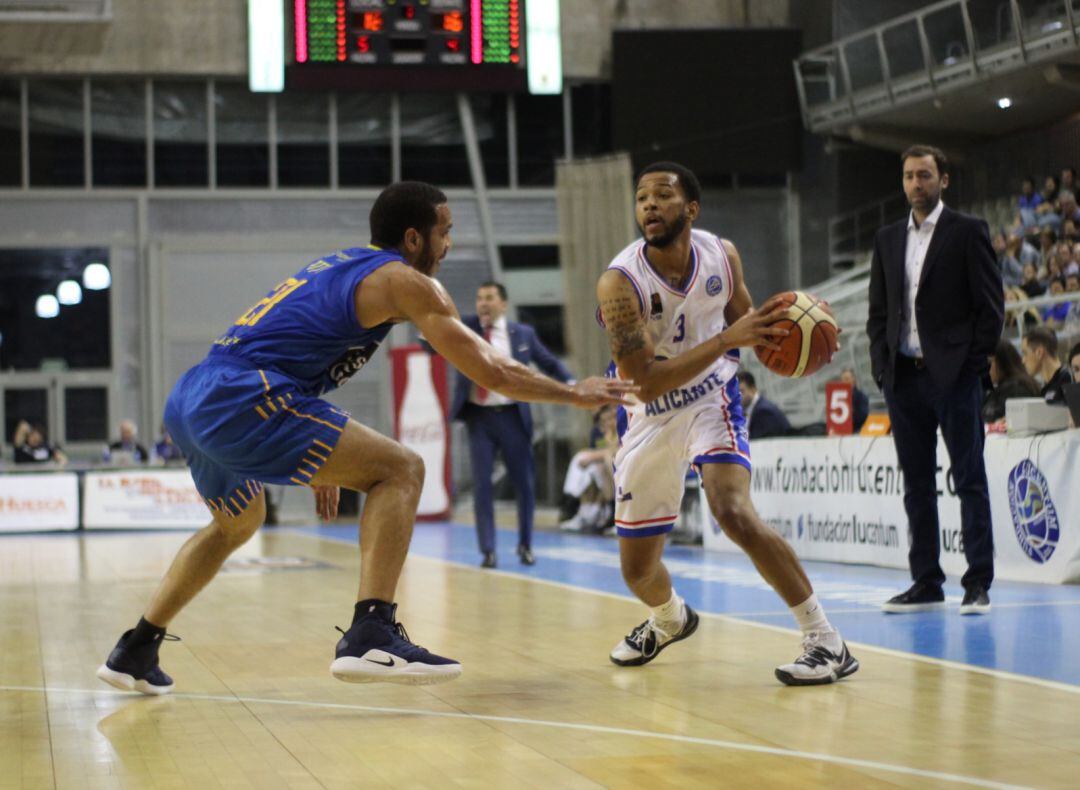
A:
<point x="840" y="499"/>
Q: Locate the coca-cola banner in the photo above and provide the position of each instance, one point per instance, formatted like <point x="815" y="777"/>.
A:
<point x="840" y="499"/>
<point x="36" y="502"/>
<point x="421" y="423"/>
<point x="137" y="499"/>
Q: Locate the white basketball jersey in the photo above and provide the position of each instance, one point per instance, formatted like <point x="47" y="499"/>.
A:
<point x="679" y="320"/>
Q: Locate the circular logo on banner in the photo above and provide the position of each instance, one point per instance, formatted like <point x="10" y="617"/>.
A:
<point x="714" y="285"/>
<point x="1034" y="517"/>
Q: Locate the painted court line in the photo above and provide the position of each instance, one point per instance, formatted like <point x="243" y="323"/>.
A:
<point x="850" y="762"/>
<point x="941" y="662"/>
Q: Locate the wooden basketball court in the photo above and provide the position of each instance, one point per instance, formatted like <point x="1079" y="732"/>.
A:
<point x="538" y="705"/>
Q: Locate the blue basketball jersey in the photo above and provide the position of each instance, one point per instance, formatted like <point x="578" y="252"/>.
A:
<point x="306" y="328"/>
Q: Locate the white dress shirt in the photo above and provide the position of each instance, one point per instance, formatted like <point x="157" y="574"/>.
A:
<point x="918" y="242"/>
<point x="500" y="339"/>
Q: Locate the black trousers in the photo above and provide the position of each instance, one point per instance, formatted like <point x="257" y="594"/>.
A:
<point x="917" y="408"/>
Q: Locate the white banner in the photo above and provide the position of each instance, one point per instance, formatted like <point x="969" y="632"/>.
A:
<point x="39" y="502"/>
<point x="135" y="499"/>
<point x="840" y="499"/>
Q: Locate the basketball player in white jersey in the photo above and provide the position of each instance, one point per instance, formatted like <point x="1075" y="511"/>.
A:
<point x="676" y="308"/>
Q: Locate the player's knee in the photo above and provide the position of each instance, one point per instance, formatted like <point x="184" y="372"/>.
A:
<point x="637" y="571"/>
<point x="412" y="469"/>
<point x="738" y="520"/>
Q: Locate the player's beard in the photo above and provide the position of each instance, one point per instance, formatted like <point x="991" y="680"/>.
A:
<point x="672" y="233"/>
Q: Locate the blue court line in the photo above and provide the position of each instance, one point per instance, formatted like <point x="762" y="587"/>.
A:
<point x="1033" y="630"/>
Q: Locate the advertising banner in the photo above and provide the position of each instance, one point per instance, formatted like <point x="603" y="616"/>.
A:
<point x="421" y="423"/>
<point x="135" y="499"/>
<point x="840" y="499"/>
<point x="39" y="502"/>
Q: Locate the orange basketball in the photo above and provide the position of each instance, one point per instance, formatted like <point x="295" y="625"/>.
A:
<point x="811" y="342"/>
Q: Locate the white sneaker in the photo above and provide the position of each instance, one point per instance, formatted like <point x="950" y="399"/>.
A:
<point x="646" y="641"/>
<point x="575" y="523"/>
<point x="818" y="663"/>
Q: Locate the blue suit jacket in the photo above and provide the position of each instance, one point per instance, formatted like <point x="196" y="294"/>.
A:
<point x="526" y="348"/>
<point x="767" y="420"/>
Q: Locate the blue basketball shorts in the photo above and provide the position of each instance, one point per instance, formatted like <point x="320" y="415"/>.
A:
<point x="240" y="427"/>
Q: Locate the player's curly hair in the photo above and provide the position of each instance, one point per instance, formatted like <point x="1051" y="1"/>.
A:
<point x="404" y="205"/>
<point x="691" y="187"/>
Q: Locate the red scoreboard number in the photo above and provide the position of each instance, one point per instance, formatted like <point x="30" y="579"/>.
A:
<point x="839" y="411"/>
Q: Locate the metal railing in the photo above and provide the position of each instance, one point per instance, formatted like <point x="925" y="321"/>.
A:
<point x="938" y="48"/>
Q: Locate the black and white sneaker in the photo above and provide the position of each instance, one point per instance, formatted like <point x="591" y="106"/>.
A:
<point x="917" y="598"/>
<point x="818" y="664"/>
<point x="976" y="600"/>
<point x="645" y="642"/>
<point x="376" y="649"/>
<point x="135" y="667"/>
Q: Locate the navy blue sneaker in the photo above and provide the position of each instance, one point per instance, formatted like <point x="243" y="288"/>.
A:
<point x="376" y="649"/>
<point x="135" y="667"/>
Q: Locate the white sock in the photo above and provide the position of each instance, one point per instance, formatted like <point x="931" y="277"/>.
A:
<point x="811" y="616"/>
<point x="670" y="616"/>
<point x="589" y="512"/>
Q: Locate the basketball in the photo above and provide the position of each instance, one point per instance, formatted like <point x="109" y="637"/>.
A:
<point x="813" y="337"/>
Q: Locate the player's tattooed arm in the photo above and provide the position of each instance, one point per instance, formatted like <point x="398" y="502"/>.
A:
<point x="622" y="316"/>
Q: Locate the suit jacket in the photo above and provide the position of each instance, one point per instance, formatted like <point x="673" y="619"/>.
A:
<point x="766" y="419"/>
<point x="959" y="305"/>
<point x="526" y="348"/>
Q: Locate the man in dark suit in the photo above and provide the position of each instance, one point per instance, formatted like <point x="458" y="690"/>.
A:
<point x="763" y="417"/>
<point x="936" y="314"/>
<point x="497" y="423"/>
<point x="860" y="402"/>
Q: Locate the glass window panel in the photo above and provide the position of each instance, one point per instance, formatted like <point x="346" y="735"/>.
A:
<point x="864" y="63"/>
<point x="76" y="338"/>
<point x="432" y="146"/>
<point x="991" y="22"/>
<point x="10" y="134"/>
<point x="243" y="148"/>
<point x="947" y="37"/>
<point x="529" y="256"/>
<point x="180" y="155"/>
<point x="540" y="138"/>
<point x="547" y="320"/>
<point x="364" y="153"/>
<point x="303" y="131"/>
<point x="903" y="49"/>
<point x="86" y="414"/>
<point x="31" y="405"/>
<point x="489" y="112"/>
<point x="56" y="133"/>
<point x="118" y="129"/>
<point x="592" y="119"/>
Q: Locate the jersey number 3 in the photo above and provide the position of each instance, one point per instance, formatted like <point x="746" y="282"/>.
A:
<point x="264" y="305"/>
<point x="680" y="329"/>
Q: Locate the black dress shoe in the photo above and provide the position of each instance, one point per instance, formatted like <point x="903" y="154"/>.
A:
<point x="526" y="555"/>
<point x="489" y="560"/>
<point x="976" y="601"/>
<point x="918" y="598"/>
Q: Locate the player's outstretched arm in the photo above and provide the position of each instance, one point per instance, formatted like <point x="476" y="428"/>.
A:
<point x="633" y="351"/>
<point x="425" y="303"/>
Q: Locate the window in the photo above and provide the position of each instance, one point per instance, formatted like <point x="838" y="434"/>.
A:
<point x="86" y="411"/>
<point x="547" y="320"/>
<point x="30" y="404"/>
<point x="540" y="138"/>
<point x="489" y="112"/>
<point x="364" y="154"/>
<point x="78" y="337"/>
<point x="432" y="146"/>
<point x="180" y="153"/>
<point x="56" y="133"/>
<point x="10" y="134"/>
<point x="529" y="256"/>
<point x="303" y="130"/>
<point x="591" y="106"/>
<point x="118" y="133"/>
<point x="243" y="149"/>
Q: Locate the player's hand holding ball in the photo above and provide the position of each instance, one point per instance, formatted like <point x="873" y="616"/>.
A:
<point x="811" y="339"/>
<point x="759" y="328"/>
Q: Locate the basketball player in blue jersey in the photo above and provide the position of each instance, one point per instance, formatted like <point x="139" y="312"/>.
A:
<point x="676" y="309"/>
<point x="251" y="413"/>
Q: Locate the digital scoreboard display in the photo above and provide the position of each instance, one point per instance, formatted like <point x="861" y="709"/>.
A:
<point x="408" y="44"/>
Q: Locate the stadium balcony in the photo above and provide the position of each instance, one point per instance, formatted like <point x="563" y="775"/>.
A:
<point x="963" y="70"/>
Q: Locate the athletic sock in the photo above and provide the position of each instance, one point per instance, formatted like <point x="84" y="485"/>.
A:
<point x="145" y="633"/>
<point x="810" y="616"/>
<point x="369" y="606"/>
<point x="670" y="616"/>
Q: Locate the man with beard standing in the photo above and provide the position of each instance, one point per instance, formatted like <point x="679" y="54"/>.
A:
<point x="676" y="309"/>
<point x="936" y="314"/>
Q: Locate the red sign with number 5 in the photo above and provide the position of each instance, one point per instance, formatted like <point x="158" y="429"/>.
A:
<point x="838" y="408"/>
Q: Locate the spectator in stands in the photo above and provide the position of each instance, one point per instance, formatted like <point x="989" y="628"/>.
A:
<point x="1021" y="249"/>
<point x="126" y="450"/>
<point x="590" y="478"/>
<point x="1054" y="315"/>
<point x="166" y="452"/>
<point x="1047" y="240"/>
<point x="1044" y="213"/>
<point x="1030" y="317"/>
<point x="1070" y="231"/>
<point x="1040" y="348"/>
<point x="1031" y="285"/>
<point x="763" y="417"/>
<point x="1074" y="362"/>
<point x="31" y="446"/>
<point x="860" y="403"/>
<point x="1010" y="380"/>
<point x="1028" y="202"/>
<point x="1067" y="180"/>
<point x="1067" y="208"/>
<point x="1012" y="271"/>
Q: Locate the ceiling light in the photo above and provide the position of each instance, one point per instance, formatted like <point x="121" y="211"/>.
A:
<point x="69" y="292"/>
<point x="47" y="306"/>
<point x="96" y="277"/>
<point x="1004" y="102"/>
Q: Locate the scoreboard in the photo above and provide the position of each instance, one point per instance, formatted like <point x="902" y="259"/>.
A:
<point x="408" y="44"/>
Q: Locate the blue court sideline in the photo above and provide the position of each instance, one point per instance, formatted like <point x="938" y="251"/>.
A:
<point x="1033" y="630"/>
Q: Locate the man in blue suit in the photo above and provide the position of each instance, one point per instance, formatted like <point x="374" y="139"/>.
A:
<point x="763" y="417"/>
<point x="497" y="423"/>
